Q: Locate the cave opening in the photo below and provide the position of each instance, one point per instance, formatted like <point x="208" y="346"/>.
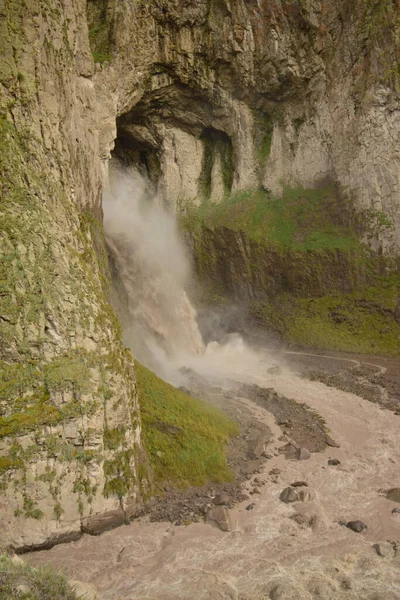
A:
<point x="136" y="154"/>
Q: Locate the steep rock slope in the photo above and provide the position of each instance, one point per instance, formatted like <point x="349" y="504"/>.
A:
<point x="69" y="424"/>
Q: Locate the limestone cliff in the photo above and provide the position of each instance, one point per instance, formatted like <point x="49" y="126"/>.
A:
<point x="70" y="428"/>
<point x="214" y="96"/>
<point x="205" y="96"/>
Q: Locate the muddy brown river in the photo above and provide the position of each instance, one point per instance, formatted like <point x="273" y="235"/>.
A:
<point x="277" y="551"/>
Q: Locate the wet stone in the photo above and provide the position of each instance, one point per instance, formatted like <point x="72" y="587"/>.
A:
<point x="304" y="496"/>
<point x="219" y="517"/>
<point x="393" y="494"/>
<point x="289" y="494"/>
<point x="357" y="526"/>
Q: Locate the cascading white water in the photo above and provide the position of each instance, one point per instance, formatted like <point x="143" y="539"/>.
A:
<point x="153" y="270"/>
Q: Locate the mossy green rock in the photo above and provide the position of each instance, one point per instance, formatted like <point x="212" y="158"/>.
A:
<point x="299" y="263"/>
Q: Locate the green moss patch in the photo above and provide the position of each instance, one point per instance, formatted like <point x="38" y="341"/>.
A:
<point x="184" y="437"/>
<point x="365" y="322"/>
<point x="19" y="581"/>
<point x="317" y="285"/>
<point x="302" y="219"/>
<point x="99" y="30"/>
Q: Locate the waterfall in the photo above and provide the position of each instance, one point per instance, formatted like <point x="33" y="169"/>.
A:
<point x="150" y="272"/>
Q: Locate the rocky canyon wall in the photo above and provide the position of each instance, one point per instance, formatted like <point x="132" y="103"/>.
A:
<point x="215" y="96"/>
<point x="70" y="445"/>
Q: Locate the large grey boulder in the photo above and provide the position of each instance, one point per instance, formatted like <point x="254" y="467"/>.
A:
<point x="219" y="517"/>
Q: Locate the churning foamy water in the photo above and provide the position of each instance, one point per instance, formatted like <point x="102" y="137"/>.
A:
<point x="152" y="273"/>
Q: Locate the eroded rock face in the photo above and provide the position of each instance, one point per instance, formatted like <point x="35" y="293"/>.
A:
<point x="298" y="89"/>
<point x="70" y="444"/>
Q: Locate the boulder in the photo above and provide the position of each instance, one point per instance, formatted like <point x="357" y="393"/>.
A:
<point x="222" y="498"/>
<point x="258" y="445"/>
<point x="219" y="517"/>
<point x="357" y="526"/>
<point x="289" y="494"/>
<point x="393" y="494"/>
<point x="303" y="454"/>
<point x="304" y="496"/>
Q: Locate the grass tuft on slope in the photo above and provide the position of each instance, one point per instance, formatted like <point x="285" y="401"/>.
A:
<point x="185" y="438"/>
<point x="19" y="581"/>
<point x="301" y="219"/>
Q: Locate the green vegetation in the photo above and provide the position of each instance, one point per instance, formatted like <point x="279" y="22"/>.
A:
<point x="301" y="219"/>
<point x="263" y="129"/>
<point x="184" y="437"/>
<point x="381" y="26"/>
<point x="19" y="581"/>
<point x="364" y="321"/>
<point x="99" y="31"/>
<point x="322" y="287"/>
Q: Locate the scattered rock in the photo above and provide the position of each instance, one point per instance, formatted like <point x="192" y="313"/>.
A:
<point x="257" y="446"/>
<point x="303" y="454"/>
<point x="250" y="507"/>
<point x="267" y="455"/>
<point x="256" y="490"/>
<point x="275" y="471"/>
<point x="393" y="494"/>
<point x="334" y="461"/>
<point x="304" y="496"/>
<point x="219" y="517"/>
<point x="397" y="412"/>
<point x="357" y="526"/>
<point x="395" y="511"/>
<point x="289" y="494"/>
<point x="330" y="442"/>
<point x="385" y="549"/>
<point x="299" y="484"/>
<point x="289" y="450"/>
<point x="221" y="499"/>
